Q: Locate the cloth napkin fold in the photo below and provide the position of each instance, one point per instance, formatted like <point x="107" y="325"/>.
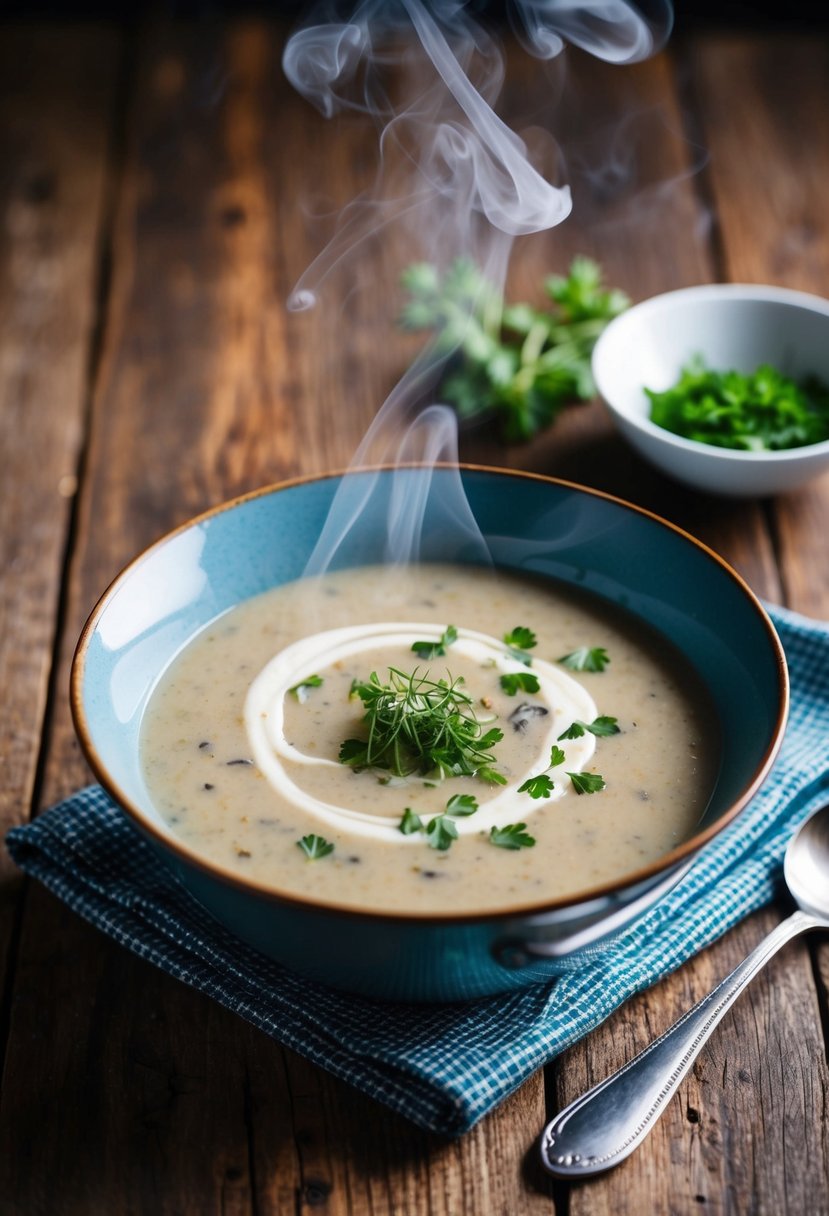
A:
<point x="442" y="1066"/>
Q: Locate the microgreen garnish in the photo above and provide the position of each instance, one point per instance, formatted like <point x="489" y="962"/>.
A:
<point x="586" y="658"/>
<point x="417" y="724"/>
<point x="519" y="681"/>
<point x="441" y="832"/>
<point x="511" y="836"/>
<point x="433" y="650"/>
<point x="300" y="690"/>
<point x="315" y="846"/>
<point x="410" y="822"/>
<point x="541" y="786"/>
<point x="516" y="362"/>
<point x="601" y="727"/>
<point x="587" y="783"/>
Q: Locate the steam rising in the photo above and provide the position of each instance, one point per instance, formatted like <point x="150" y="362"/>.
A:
<point x="461" y="180"/>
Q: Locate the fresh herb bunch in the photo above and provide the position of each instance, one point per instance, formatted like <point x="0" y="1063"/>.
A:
<point x="420" y="725"/>
<point x="760" y="412"/>
<point x="513" y="360"/>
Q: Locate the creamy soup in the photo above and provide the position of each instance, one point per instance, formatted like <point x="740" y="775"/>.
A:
<point x="434" y="738"/>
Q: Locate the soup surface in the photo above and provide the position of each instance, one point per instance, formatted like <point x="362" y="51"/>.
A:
<point x="254" y="741"/>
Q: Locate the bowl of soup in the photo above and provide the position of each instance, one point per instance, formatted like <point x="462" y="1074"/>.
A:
<point x="434" y="775"/>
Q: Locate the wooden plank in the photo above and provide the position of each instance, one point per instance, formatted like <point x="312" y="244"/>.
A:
<point x="766" y="1066"/>
<point x="56" y="113"/>
<point x="154" y="1082"/>
<point x="768" y="171"/>
<point x="638" y="212"/>
<point x="202" y="395"/>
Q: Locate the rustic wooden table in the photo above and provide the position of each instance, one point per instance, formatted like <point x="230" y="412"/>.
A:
<point x="153" y="198"/>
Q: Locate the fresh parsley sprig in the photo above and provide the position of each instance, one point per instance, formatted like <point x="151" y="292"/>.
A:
<point x="511" y="836"/>
<point x="433" y="650"/>
<point x="440" y="830"/>
<point x="518" y="362"/>
<point x="420" y="725"/>
<point x="315" y="846"/>
<point x="586" y="658"/>
<point x="519" y="642"/>
<point x="541" y="786"/>
<point x="601" y="727"/>
<point x="519" y="681"/>
<point x="587" y="783"/>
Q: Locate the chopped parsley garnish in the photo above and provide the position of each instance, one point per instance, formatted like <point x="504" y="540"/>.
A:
<point x="433" y="650"/>
<point x="518" y="363"/>
<point x="587" y="783"/>
<point x="410" y="823"/>
<point x="511" y="836"/>
<point x="520" y="640"/>
<point x="763" y="411"/>
<point x="537" y="787"/>
<point x="542" y="786"/>
<point x="586" y="658"/>
<point x="462" y="804"/>
<point x="441" y="832"/>
<point x="601" y="727"/>
<point x="420" y="725"/>
<point x="315" y="846"/>
<point x="519" y="681"/>
<point x="300" y="690"/>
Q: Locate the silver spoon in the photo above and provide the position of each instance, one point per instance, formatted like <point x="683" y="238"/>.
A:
<point x="606" y="1124"/>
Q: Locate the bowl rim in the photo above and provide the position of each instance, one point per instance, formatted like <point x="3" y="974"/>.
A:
<point x="704" y="293"/>
<point x="683" y="852"/>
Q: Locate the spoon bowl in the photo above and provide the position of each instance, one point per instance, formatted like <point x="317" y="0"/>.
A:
<point x="806" y="865"/>
<point x="606" y="1124"/>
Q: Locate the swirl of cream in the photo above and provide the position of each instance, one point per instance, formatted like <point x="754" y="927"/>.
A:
<point x="564" y="697"/>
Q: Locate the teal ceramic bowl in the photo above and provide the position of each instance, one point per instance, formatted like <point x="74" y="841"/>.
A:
<point x="532" y="525"/>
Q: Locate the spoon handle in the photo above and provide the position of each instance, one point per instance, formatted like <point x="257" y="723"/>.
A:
<point x="607" y="1123"/>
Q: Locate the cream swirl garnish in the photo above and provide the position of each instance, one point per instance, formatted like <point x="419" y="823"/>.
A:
<point x="563" y="697"/>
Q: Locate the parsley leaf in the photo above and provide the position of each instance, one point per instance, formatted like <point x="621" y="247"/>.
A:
<point x="537" y="787"/>
<point x="521" y="637"/>
<point x="519" y="363"/>
<point x="587" y="783"/>
<point x="315" y="846"/>
<point x="433" y="650"/>
<point x="441" y="832"/>
<point x="556" y="756"/>
<point x="601" y="727"/>
<point x="462" y="804"/>
<point x="574" y="731"/>
<point x="586" y="658"/>
<point x="300" y="690"/>
<point x="523" y="681"/>
<point x="511" y="836"/>
<point x="519" y="641"/>
<point x="410" y="822"/>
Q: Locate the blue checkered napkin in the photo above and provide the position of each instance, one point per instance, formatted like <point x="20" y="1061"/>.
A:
<point x="441" y="1066"/>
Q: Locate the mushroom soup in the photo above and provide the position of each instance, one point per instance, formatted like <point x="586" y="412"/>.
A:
<point x="434" y="739"/>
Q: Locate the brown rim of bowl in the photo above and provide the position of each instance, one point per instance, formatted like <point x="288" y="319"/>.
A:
<point x="681" y="853"/>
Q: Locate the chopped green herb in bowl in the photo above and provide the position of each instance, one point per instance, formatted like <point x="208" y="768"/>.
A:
<point x="723" y="387"/>
<point x="763" y="411"/>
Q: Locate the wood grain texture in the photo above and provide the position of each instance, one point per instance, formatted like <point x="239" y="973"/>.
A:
<point x="129" y="1092"/>
<point x="55" y="126"/>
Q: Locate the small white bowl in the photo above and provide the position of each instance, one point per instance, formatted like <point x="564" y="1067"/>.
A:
<point x="732" y="327"/>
